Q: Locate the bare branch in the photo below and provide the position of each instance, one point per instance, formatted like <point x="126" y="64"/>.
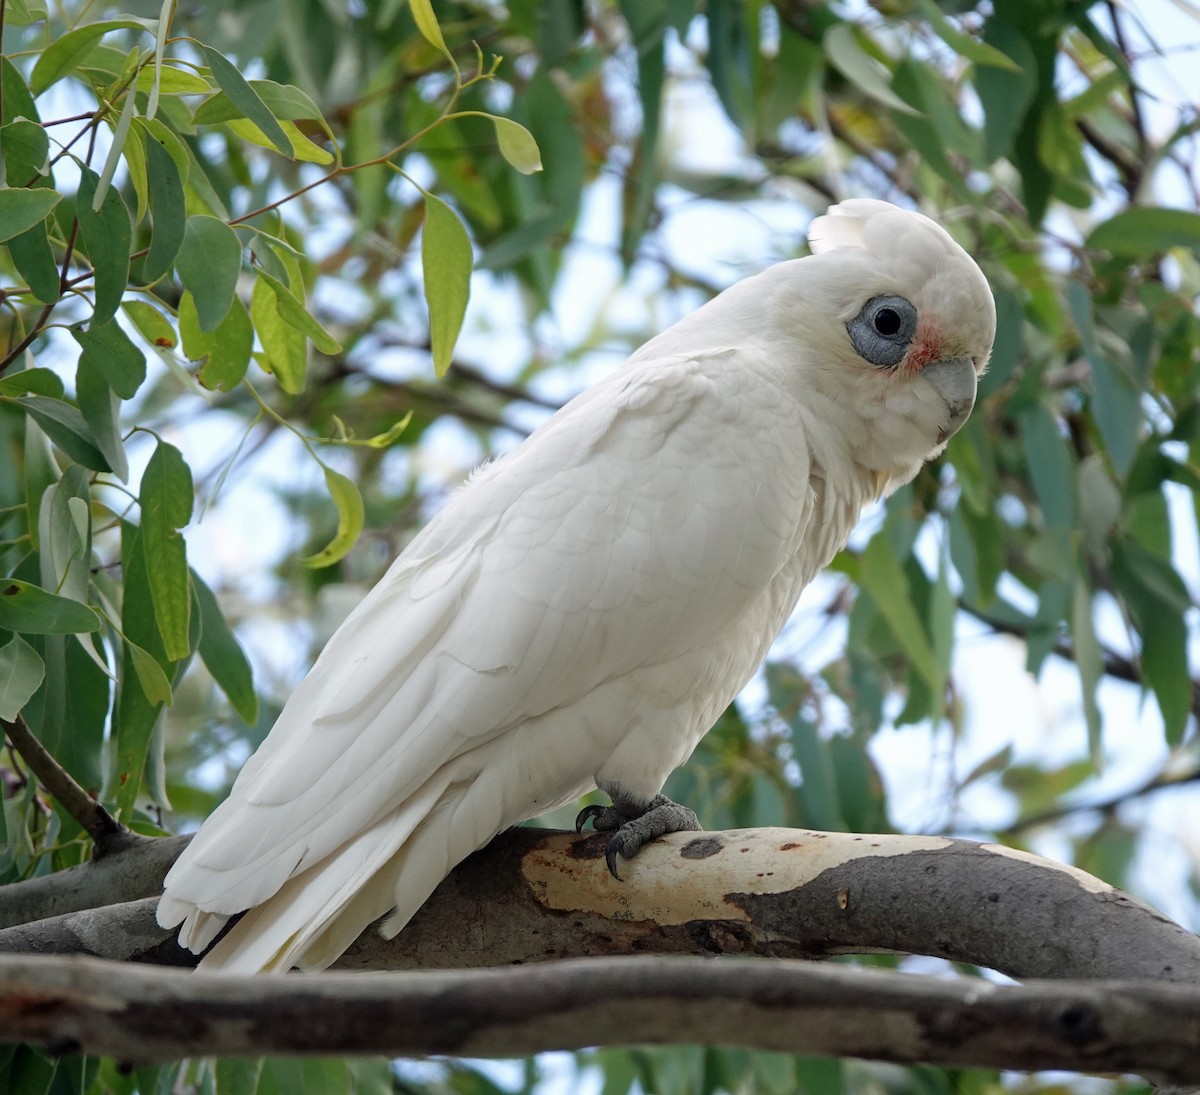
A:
<point x="538" y="894"/>
<point x="108" y="834"/>
<point x="134" y="872"/>
<point x="138" y="1015"/>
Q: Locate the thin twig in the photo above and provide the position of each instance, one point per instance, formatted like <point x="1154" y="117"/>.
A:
<point x="1159" y="782"/>
<point x="106" y="831"/>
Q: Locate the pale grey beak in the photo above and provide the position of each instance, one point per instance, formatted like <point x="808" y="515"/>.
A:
<point x="955" y="382"/>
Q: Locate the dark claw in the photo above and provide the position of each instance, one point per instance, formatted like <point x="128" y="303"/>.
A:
<point x="633" y="824"/>
<point x="588" y="813"/>
<point x="611" y="851"/>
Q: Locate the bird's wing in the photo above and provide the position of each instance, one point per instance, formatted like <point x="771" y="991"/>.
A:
<point x="637" y="521"/>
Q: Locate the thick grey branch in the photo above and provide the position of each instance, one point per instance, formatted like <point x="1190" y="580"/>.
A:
<point x="139" y="1015"/>
<point x="537" y="894"/>
<point x="136" y="871"/>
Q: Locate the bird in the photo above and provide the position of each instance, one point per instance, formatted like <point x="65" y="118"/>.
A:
<point x="581" y="611"/>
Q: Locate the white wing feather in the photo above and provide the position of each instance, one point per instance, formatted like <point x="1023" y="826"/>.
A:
<point x="494" y="672"/>
<point x="584" y="609"/>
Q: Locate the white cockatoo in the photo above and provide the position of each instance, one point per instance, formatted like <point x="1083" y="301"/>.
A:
<point x="582" y="611"/>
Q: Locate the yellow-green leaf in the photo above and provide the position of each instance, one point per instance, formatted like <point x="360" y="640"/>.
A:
<point x="350" y="520"/>
<point x="172" y="81"/>
<point x="151" y="324"/>
<point x="517" y="145"/>
<point x="446" y="261"/>
<point x="225" y="351"/>
<point x="285" y="353"/>
<point x="427" y="24"/>
<point x="150" y="675"/>
<point x="303" y="149"/>
<point x="293" y="312"/>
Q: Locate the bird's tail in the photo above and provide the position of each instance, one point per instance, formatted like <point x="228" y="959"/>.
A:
<point x="394" y="865"/>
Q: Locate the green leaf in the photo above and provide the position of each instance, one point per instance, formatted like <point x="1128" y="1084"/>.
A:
<point x="1090" y="663"/>
<point x="1049" y="465"/>
<point x="1158" y="599"/>
<point x="446" y="261"/>
<point x="33" y="257"/>
<point x="35" y="381"/>
<point x="285" y="102"/>
<point x="30" y="610"/>
<point x="349" y="504"/>
<point x="120" y="138"/>
<point x="150" y="675"/>
<point x="101" y="410"/>
<point x="225" y="351"/>
<point x="115" y="357"/>
<point x="151" y="324"/>
<point x="517" y="145"/>
<point x="25" y="149"/>
<point x="860" y="68"/>
<point x="246" y="99"/>
<point x="427" y="24"/>
<point x="303" y="150"/>
<point x="168" y="208"/>
<point x="64" y="425"/>
<point x="882" y="576"/>
<point x="223" y="655"/>
<point x="21" y="674"/>
<point x="107" y="237"/>
<point x="172" y="81"/>
<point x="1116" y="402"/>
<point x="21" y="209"/>
<point x="18" y="102"/>
<point x="1006" y="94"/>
<point x="167" y="499"/>
<point x="209" y="262"/>
<point x="65" y="54"/>
<point x="1145" y="232"/>
<point x="134" y="716"/>
<point x="21" y="13"/>
<point x="293" y="312"/>
<point x="963" y="44"/>
<point x="284" y="348"/>
<point x="730" y="56"/>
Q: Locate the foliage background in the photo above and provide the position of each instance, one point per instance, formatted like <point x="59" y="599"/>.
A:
<point x="682" y="145"/>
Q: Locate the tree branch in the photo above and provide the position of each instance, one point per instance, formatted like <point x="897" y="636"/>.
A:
<point x="107" y="833"/>
<point x="137" y="1015"/>
<point x="1114" y="665"/>
<point x="538" y="894"/>
<point x="137" y="871"/>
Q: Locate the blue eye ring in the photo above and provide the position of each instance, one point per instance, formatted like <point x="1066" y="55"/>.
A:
<point x="883" y="329"/>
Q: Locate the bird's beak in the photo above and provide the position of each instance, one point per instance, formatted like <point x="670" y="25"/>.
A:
<point x="954" y="379"/>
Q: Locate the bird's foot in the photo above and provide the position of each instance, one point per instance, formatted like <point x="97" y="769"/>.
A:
<point x="633" y="824"/>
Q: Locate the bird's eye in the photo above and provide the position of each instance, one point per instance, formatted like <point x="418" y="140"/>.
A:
<point x="883" y="329"/>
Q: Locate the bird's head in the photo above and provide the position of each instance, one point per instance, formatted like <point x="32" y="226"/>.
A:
<point x="903" y="320"/>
